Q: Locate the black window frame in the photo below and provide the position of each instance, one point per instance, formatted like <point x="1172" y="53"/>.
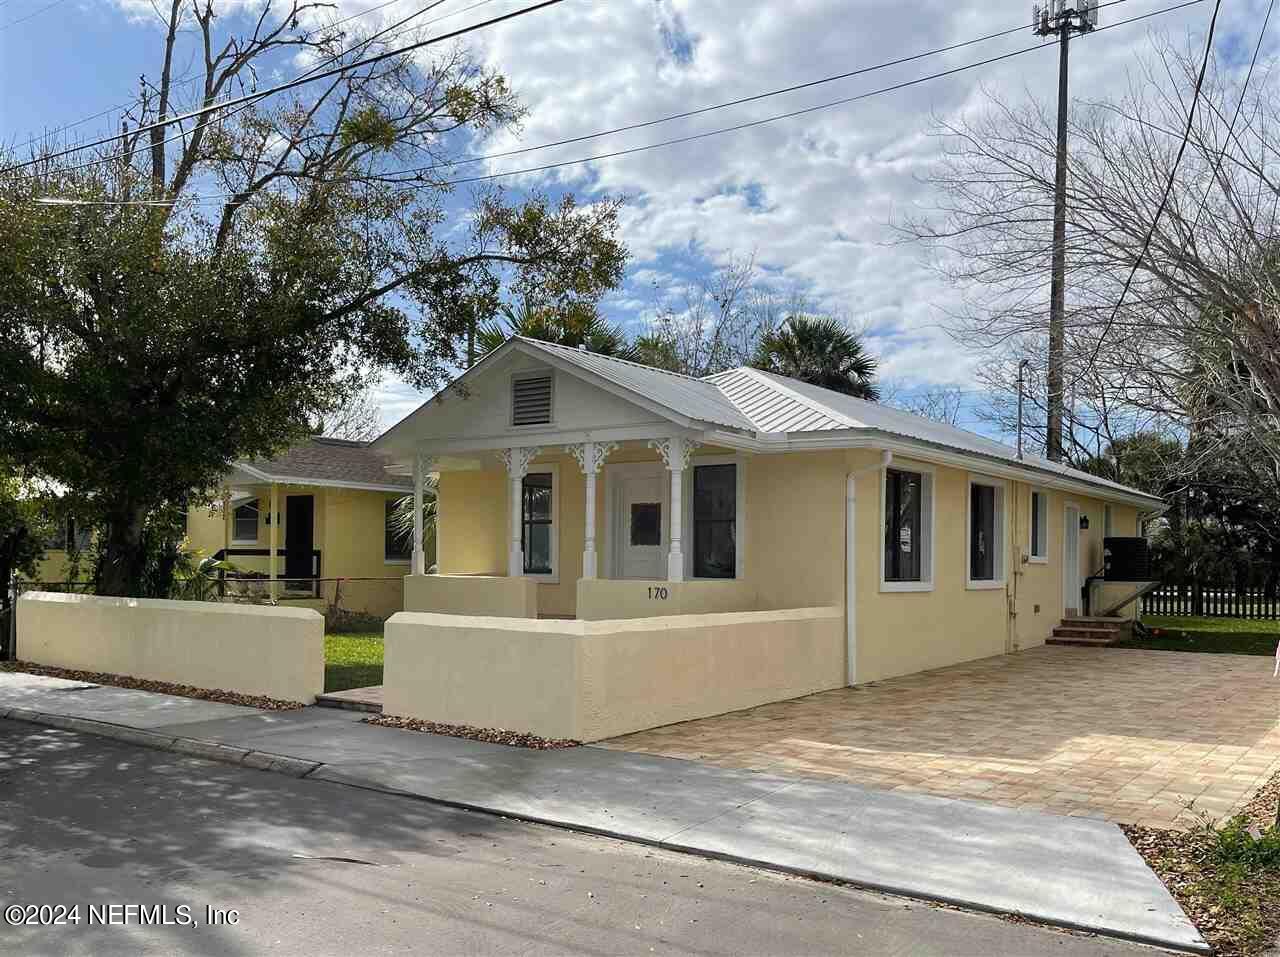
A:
<point x="389" y="537"/>
<point x="1039" y="525"/>
<point x="978" y="516"/>
<point x="893" y="481"/>
<point x="528" y="523"/>
<point x="705" y="526"/>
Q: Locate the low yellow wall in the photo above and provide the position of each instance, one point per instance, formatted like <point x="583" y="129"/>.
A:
<point x="496" y="595"/>
<point x="278" y="652"/>
<point x="595" y="679"/>
<point x="600" y="599"/>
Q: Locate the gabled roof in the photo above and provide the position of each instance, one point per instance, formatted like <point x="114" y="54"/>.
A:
<point x="773" y="410"/>
<point x="323" y="461"/>
<point x="697" y="399"/>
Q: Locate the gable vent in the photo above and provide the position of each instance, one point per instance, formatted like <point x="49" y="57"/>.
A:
<point x="531" y="401"/>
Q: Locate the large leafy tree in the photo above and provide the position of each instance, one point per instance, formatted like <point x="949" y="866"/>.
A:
<point x="822" y="351"/>
<point x="211" y="289"/>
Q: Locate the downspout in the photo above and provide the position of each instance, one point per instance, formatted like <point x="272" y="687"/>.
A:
<point x="850" y="564"/>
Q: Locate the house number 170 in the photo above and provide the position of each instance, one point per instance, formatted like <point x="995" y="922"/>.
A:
<point x="658" y="594"/>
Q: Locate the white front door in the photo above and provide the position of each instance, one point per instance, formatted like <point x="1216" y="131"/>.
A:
<point x="1071" y="560"/>
<point x="640" y="523"/>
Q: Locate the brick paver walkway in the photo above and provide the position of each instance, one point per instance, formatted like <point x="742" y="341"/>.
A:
<point x="1128" y="735"/>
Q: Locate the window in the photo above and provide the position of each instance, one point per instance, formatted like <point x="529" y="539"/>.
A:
<point x="1106" y="521"/>
<point x="537" y="538"/>
<point x="531" y="400"/>
<point x="646" y="523"/>
<point x="986" y="534"/>
<point x="69" y="537"/>
<point x="1039" y="526"/>
<point x="244" y="527"/>
<point x="397" y="543"/>
<point x="907" y="561"/>
<point x="715" y="521"/>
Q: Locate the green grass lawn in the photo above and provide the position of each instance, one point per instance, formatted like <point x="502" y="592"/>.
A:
<point x="352" y="661"/>
<point x="1232" y="636"/>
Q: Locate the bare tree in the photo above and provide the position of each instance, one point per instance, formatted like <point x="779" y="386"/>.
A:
<point x="717" y="322"/>
<point x="939" y="403"/>
<point x="358" y="417"/>
<point x="1195" y="347"/>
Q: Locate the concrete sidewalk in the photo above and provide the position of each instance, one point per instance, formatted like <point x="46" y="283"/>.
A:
<point x="1070" y="871"/>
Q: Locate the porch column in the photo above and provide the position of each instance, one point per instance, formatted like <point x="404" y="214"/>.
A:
<point x="517" y="461"/>
<point x="590" y="456"/>
<point x="421" y="466"/>
<point x="274" y="518"/>
<point x="227" y="520"/>
<point x="675" y="452"/>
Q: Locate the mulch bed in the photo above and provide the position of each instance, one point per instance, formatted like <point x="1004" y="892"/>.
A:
<point x="1236" y="911"/>
<point x="261" y="702"/>
<point x="513" y="739"/>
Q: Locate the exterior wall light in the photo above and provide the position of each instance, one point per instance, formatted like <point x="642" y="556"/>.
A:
<point x="1084" y="523"/>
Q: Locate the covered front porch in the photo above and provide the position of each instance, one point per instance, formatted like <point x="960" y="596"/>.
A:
<point x="616" y="527"/>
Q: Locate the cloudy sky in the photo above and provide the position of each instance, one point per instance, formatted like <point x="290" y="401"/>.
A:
<point x="813" y="197"/>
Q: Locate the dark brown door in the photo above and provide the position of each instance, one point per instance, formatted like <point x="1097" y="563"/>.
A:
<point x="299" y="535"/>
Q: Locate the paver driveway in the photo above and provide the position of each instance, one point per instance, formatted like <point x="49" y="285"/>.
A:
<point x="1128" y="735"/>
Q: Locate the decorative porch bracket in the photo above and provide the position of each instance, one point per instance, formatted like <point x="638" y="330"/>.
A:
<point x="590" y="456"/>
<point x="517" y="461"/>
<point x="675" y="452"/>
<point x="422" y="464"/>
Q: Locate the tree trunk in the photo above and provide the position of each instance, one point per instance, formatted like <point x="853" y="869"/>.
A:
<point x="124" y="557"/>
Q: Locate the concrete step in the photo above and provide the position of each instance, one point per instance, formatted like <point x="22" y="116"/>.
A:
<point x="1082" y="621"/>
<point x="1076" y="631"/>
<point x="1080" y="642"/>
<point x="357" y="699"/>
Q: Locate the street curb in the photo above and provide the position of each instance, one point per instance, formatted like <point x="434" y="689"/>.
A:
<point x="299" y="768"/>
<point x="189" y="747"/>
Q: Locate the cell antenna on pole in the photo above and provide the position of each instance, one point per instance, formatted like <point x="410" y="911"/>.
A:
<point x="1058" y="19"/>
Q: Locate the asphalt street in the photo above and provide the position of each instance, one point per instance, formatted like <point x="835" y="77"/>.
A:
<point x="317" y="868"/>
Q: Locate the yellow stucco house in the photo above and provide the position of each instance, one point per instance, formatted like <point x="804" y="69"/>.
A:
<point x="322" y="509"/>
<point x="576" y="486"/>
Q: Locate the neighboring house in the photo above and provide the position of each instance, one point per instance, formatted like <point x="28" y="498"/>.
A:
<point x="59" y="552"/>
<point x="575" y="485"/>
<point x="323" y="507"/>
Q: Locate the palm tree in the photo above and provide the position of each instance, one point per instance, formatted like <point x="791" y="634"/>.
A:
<point x="821" y="351"/>
<point x="401" y="524"/>
<point x="573" y="325"/>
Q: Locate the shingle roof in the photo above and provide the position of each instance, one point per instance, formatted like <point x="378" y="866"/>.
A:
<point x="696" y="398"/>
<point x="325" y="461"/>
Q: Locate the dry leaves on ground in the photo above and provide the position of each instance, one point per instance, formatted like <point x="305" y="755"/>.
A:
<point x="514" y="739"/>
<point x="261" y="702"/>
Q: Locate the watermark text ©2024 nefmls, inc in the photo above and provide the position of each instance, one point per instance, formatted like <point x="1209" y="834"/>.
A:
<point x="119" y="915"/>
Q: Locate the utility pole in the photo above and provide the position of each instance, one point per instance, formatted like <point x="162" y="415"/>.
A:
<point x="1057" y="18"/>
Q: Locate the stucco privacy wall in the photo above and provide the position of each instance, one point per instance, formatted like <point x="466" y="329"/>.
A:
<point x="601" y="599"/>
<point x="463" y="594"/>
<point x="595" y="679"/>
<point x="251" y="649"/>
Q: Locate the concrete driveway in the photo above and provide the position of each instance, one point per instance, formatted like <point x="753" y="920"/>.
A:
<point x="1130" y="736"/>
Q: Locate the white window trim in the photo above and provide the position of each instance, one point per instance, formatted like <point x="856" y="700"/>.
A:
<point x="535" y="468"/>
<point x="517" y="376"/>
<point x="1032" y="557"/>
<point x="1002" y="515"/>
<point x="928" y="478"/>
<point x="257" y="535"/>
<point x="740" y="518"/>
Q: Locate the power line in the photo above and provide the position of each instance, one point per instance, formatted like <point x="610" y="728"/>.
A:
<point x="290" y="84"/>
<point x="708" y="133"/>
<point x="741" y="100"/>
<point x="1168" y="186"/>
<point x="32" y="15"/>
<point x="195" y="73"/>
<point x="182" y="134"/>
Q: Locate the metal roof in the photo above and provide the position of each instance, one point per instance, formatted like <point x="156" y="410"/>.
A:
<point x="693" y="398"/>
<point x="777" y="403"/>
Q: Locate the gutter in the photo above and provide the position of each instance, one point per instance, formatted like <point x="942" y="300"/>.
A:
<point x="850" y="563"/>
